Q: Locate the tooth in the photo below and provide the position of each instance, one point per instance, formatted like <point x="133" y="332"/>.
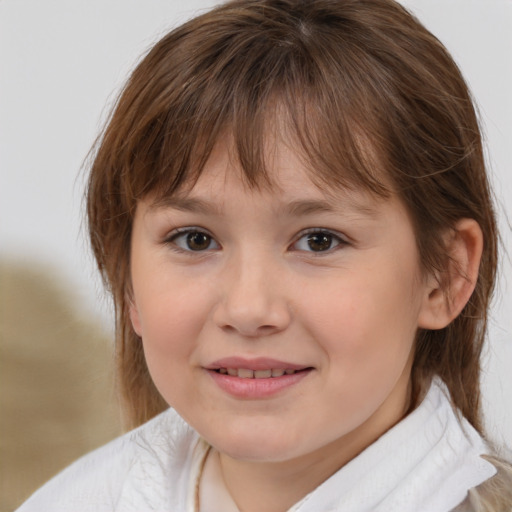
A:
<point x="245" y="373"/>
<point x="233" y="372"/>
<point x="262" y="374"/>
<point x="277" y="372"/>
<point x="223" y="371"/>
<point x="289" y="372"/>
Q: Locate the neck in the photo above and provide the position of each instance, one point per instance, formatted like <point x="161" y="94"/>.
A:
<point x="276" y="486"/>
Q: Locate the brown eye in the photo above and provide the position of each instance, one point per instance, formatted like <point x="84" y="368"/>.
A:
<point x="192" y="240"/>
<point x="197" y="241"/>
<point x="320" y="241"/>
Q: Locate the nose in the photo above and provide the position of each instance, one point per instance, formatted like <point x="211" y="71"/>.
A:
<point x="253" y="300"/>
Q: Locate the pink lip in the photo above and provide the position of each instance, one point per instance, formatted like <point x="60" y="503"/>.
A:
<point x="256" y="389"/>
<point x="259" y="363"/>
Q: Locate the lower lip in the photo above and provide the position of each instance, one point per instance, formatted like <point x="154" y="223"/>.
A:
<point x="257" y="388"/>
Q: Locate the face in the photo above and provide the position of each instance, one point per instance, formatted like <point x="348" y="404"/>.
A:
<point x="280" y="322"/>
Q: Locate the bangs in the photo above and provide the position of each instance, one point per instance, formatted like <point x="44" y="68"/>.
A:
<point x="287" y="86"/>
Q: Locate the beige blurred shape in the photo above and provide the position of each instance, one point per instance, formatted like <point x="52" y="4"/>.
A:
<point x="56" y="393"/>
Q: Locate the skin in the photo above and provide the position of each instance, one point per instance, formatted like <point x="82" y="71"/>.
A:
<point x="258" y="288"/>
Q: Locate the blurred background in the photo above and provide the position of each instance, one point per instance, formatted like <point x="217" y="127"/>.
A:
<point x="61" y="65"/>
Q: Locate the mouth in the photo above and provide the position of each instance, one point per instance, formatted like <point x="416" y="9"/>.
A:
<point x="257" y="379"/>
<point x="269" y="373"/>
<point x="255" y="368"/>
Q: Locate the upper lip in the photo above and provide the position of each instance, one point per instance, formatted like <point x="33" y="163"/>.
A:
<point x="258" y="363"/>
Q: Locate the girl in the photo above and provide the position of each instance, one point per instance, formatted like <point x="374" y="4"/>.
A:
<point x="290" y="207"/>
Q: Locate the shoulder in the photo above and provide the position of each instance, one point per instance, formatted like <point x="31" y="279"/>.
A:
<point x="466" y="464"/>
<point x="93" y="479"/>
<point x="493" y="495"/>
<point x="104" y="480"/>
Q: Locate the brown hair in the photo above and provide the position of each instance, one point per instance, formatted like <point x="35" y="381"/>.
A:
<point x="370" y="98"/>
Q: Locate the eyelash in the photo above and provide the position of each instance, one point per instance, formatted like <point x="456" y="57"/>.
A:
<point x="184" y="233"/>
<point x="335" y="237"/>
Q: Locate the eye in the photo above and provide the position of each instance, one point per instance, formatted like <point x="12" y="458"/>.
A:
<point x="318" y="241"/>
<point x="193" y="240"/>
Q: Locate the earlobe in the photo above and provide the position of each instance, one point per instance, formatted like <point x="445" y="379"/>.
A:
<point x="445" y="297"/>
<point x="134" y="316"/>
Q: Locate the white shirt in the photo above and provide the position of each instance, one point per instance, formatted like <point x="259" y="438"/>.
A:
<point x="425" y="463"/>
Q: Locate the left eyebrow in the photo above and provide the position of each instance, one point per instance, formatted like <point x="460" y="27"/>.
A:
<point x="308" y="207"/>
<point x="186" y="204"/>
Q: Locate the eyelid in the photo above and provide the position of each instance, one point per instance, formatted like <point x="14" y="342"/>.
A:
<point x="342" y="239"/>
<point x="171" y="237"/>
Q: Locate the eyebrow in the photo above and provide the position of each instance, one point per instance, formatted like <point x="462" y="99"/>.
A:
<point x="297" y="208"/>
<point x="308" y="207"/>
<point x="186" y="204"/>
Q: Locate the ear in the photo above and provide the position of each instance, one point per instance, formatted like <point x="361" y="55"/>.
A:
<point x="134" y="316"/>
<point x="445" y="297"/>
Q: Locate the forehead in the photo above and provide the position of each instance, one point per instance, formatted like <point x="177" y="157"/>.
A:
<point x="270" y="155"/>
<point x="288" y="182"/>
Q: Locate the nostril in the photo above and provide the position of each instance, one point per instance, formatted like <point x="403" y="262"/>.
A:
<point x="249" y="332"/>
<point x="228" y="328"/>
<point x="267" y="328"/>
<point x="252" y="316"/>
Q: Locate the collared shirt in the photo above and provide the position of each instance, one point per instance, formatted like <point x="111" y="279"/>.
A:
<point x="425" y="463"/>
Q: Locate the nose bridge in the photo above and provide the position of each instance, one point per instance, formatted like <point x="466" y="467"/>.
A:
<point x="254" y="301"/>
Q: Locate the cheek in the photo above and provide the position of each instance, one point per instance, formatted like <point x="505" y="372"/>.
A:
<point x="367" y="336"/>
<point x="365" y="322"/>
<point x="168" y="303"/>
<point x="168" y="321"/>
<point x="171" y="328"/>
<point x="171" y="314"/>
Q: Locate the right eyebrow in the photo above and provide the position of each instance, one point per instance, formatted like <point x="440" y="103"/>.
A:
<point x="186" y="204"/>
<point x="308" y="207"/>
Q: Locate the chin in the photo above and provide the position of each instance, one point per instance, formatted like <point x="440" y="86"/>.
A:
<point x="256" y="453"/>
<point x="257" y="446"/>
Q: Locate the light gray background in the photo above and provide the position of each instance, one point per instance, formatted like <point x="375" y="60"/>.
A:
<point x="61" y="63"/>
